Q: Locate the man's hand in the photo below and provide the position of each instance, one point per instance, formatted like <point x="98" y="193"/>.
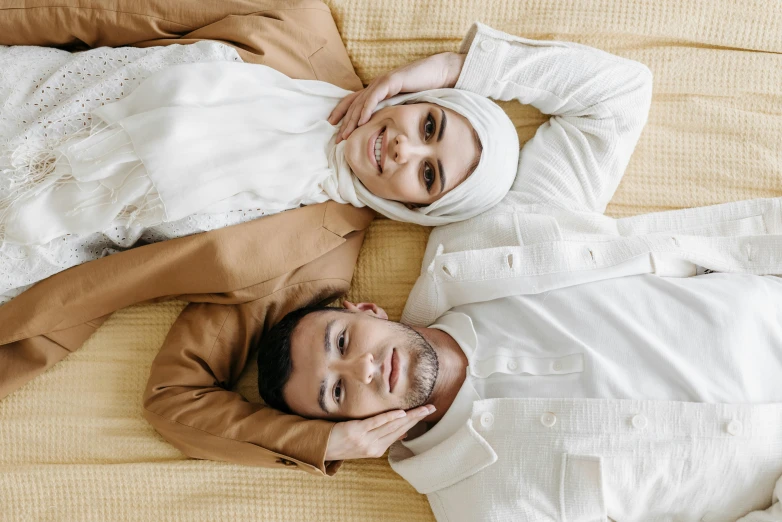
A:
<point x="435" y="72"/>
<point x="370" y="438"/>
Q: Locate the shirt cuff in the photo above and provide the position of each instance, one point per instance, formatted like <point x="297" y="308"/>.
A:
<point x="484" y="48"/>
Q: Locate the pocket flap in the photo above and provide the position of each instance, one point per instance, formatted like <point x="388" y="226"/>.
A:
<point x="581" y="491"/>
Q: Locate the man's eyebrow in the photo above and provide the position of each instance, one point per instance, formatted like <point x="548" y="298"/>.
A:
<point x="327" y="348"/>
<point x="322" y="396"/>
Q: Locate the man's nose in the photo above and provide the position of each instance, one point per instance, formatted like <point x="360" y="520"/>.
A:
<point x="363" y="368"/>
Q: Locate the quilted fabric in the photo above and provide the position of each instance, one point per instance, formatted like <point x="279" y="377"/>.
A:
<point x="74" y="445"/>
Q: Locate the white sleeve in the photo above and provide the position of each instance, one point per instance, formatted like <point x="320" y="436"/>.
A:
<point x="598" y="104"/>
<point x="772" y="514"/>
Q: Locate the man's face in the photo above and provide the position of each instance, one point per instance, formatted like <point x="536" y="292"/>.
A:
<point x="355" y="364"/>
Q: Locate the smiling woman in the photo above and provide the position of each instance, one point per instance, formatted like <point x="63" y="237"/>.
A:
<point x="404" y="152"/>
<point x="433" y="157"/>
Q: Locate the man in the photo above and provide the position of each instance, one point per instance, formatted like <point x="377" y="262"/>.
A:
<point x="579" y="367"/>
<point x="585" y="395"/>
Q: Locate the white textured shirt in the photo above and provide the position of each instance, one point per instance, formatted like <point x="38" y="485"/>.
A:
<point x="714" y="338"/>
<point x="585" y="459"/>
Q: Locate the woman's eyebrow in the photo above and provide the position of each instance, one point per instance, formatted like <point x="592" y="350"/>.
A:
<point x="443" y="121"/>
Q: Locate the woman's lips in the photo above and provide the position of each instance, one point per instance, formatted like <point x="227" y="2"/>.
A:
<point x="394" y="375"/>
<point x="371" y="149"/>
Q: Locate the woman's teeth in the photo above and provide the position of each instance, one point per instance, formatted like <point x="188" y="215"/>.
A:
<point x="378" y="145"/>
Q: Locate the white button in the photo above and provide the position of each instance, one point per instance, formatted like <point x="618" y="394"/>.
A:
<point x="640" y="422"/>
<point x="487" y="419"/>
<point x="548" y="419"/>
<point x="487" y="45"/>
<point x="512" y="365"/>
<point x="557" y="366"/>
<point x="734" y="427"/>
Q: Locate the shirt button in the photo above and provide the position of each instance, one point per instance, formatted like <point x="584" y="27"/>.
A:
<point x="734" y="428"/>
<point x="512" y="365"/>
<point x="557" y="366"/>
<point x="640" y="422"/>
<point x="487" y="419"/>
<point x="487" y="45"/>
<point x="548" y="419"/>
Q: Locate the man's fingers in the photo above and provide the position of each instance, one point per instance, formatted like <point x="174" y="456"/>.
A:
<point x="342" y="108"/>
<point x="372" y="99"/>
<point x="358" y="101"/>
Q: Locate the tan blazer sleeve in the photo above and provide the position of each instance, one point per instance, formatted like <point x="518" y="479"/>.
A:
<point x="296" y="37"/>
<point x="189" y="399"/>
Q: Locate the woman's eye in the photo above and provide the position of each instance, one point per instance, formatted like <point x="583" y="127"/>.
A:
<point x="341" y="343"/>
<point x="338" y="391"/>
<point x="428" y="127"/>
<point x="428" y="176"/>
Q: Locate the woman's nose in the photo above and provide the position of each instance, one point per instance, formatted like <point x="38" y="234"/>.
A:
<point x="403" y="150"/>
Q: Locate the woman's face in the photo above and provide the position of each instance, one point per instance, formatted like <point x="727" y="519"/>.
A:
<point x="413" y="153"/>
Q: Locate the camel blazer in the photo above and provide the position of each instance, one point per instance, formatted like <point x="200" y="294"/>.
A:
<point x="239" y="280"/>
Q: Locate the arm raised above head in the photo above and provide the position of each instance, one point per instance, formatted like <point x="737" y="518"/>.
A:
<point x="598" y="104"/>
<point x="189" y="399"/>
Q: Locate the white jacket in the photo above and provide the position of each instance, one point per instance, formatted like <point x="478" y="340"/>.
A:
<point x="571" y="460"/>
<point x="549" y="232"/>
<point x="689" y="461"/>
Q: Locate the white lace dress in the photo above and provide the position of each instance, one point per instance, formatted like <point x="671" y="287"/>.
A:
<point x="46" y="96"/>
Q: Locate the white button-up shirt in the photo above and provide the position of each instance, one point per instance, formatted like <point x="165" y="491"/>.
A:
<point x="549" y="232"/>
<point x="576" y="458"/>
<point x="714" y="338"/>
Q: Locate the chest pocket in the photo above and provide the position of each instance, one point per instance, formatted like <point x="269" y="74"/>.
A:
<point x="581" y="492"/>
<point x="528" y="365"/>
<point x="536" y="228"/>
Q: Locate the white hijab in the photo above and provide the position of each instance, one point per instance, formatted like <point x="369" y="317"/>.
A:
<point x="208" y="134"/>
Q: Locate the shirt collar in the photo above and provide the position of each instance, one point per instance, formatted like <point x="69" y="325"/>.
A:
<point x="459" y="326"/>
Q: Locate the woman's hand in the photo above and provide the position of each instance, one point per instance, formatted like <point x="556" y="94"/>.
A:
<point x="370" y="438"/>
<point x="435" y="72"/>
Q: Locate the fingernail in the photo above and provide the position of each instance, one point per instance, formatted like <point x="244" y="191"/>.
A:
<point x="401" y="414"/>
<point x="432" y="409"/>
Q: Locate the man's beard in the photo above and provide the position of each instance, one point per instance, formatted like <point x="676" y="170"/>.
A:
<point x="423" y="361"/>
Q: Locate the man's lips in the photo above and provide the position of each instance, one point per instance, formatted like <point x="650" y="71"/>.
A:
<point x="393" y="377"/>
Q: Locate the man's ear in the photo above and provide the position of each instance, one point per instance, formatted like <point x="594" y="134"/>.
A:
<point x="367" y="308"/>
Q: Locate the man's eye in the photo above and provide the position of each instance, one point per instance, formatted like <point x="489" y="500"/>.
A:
<point x="341" y="343"/>
<point x="338" y="391"/>
<point x="428" y="176"/>
<point x="428" y="127"/>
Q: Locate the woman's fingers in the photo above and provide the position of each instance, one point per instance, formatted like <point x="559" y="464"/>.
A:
<point x="382" y="419"/>
<point x="393" y="429"/>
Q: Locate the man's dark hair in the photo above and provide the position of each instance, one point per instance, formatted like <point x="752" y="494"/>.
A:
<point x="274" y="356"/>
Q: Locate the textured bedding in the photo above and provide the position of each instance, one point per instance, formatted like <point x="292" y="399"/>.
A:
<point x="73" y="444"/>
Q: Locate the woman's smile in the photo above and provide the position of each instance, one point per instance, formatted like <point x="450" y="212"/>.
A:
<point x="376" y="149"/>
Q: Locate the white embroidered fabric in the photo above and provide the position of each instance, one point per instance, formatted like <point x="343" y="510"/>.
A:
<point x="46" y="95"/>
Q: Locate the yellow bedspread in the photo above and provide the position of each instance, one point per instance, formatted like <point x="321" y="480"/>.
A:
<point x="73" y="444"/>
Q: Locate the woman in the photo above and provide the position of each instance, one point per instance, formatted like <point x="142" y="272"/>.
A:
<point x="197" y="146"/>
